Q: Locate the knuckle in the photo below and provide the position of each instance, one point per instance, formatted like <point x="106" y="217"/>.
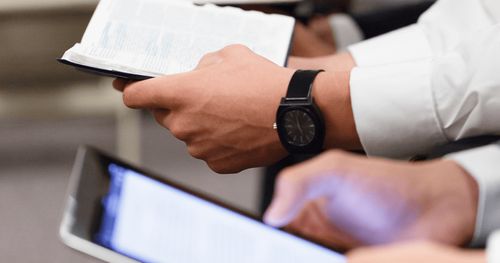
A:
<point x="209" y="59"/>
<point x="179" y="131"/>
<point x="222" y="167"/>
<point x="236" y="48"/>
<point x="208" y="56"/>
<point x="216" y="167"/>
<point x="196" y="152"/>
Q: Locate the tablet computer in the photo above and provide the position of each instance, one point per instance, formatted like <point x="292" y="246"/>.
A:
<point x="119" y="213"/>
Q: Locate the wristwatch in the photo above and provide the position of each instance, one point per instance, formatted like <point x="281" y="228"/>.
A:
<point x="299" y="121"/>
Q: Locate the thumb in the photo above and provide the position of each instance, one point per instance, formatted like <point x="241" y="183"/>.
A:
<point x="293" y="191"/>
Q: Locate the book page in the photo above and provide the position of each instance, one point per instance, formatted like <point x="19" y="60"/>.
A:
<point x="160" y="37"/>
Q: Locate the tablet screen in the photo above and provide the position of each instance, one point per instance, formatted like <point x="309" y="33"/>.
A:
<point x="154" y="222"/>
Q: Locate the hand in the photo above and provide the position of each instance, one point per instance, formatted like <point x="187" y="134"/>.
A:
<point x="415" y="252"/>
<point x="223" y="110"/>
<point x="346" y="201"/>
<point x="307" y="44"/>
<point x="321" y="27"/>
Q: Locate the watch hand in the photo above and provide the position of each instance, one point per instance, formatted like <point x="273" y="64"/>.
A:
<point x="298" y="124"/>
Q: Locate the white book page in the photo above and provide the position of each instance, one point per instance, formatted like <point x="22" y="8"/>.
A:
<point x="158" y="37"/>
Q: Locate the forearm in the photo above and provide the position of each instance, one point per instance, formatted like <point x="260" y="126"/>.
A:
<point x="332" y="95"/>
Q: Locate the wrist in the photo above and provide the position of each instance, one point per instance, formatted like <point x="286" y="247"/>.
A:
<point x="277" y="147"/>
<point x="299" y="122"/>
<point x="331" y="92"/>
<point x="332" y="95"/>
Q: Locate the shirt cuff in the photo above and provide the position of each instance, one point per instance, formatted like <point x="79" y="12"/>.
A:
<point x="483" y="164"/>
<point x="345" y="31"/>
<point x="405" y="44"/>
<point x="493" y="248"/>
<point x="394" y="109"/>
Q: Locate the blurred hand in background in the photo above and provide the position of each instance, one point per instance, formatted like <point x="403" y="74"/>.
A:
<point x="346" y="201"/>
<point x="307" y="43"/>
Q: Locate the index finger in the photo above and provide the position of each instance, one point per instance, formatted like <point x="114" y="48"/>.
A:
<point x="119" y="83"/>
<point x="298" y="185"/>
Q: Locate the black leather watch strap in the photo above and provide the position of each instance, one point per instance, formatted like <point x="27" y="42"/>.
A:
<point x="301" y="83"/>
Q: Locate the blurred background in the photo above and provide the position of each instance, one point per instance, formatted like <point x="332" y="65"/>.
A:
<point x="48" y="109"/>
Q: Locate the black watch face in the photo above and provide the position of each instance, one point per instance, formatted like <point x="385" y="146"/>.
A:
<point x="299" y="127"/>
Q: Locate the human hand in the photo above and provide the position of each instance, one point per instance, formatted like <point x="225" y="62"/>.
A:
<point x="306" y="43"/>
<point x="223" y="110"/>
<point x="346" y="201"/>
<point x="320" y="26"/>
<point x="415" y="252"/>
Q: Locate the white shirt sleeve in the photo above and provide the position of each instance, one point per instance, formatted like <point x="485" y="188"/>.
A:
<point x="493" y="248"/>
<point x="483" y="164"/>
<point x="408" y="98"/>
<point x="405" y="44"/>
<point x="438" y="29"/>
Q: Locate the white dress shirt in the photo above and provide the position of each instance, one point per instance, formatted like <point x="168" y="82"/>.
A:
<point x="431" y="83"/>
<point x="345" y="29"/>
<point x="493" y="250"/>
<point x="370" y="5"/>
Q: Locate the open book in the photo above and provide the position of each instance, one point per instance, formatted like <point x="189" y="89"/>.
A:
<point x="138" y="39"/>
